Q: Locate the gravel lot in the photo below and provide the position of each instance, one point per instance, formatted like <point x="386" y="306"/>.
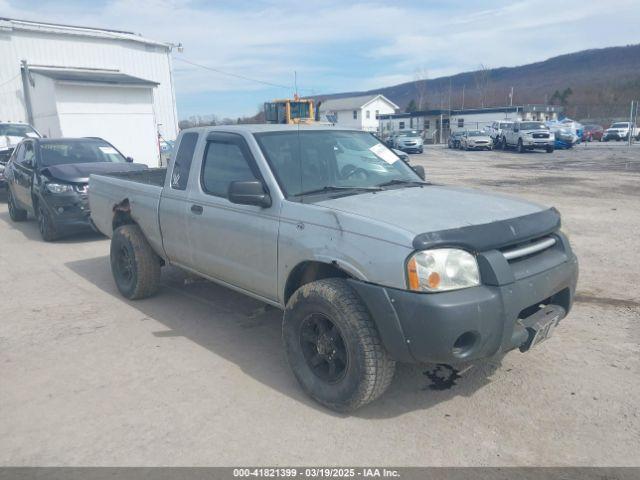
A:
<point x="197" y="375"/>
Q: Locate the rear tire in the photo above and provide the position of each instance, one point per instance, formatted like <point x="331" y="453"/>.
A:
<point x="333" y="346"/>
<point x="134" y="264"/>
<point x="16" y="214"/>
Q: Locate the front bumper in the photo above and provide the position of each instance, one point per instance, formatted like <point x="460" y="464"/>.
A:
<point x="411" y="148"/>
<point x="480" y="146"/>
<point x="538" y="142"/>
<point x="615" y="136"/>
<point x="69" y="212"/>
<point x="489" y="319"/>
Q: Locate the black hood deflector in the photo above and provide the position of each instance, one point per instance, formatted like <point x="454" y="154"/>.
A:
<point x="489" y="236"/>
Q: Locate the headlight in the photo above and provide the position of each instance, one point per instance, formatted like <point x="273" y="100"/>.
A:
<point x="442" y="269"/>
<point x="59" y="187"/>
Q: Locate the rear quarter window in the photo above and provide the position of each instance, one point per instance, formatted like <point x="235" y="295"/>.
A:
<point x="182" y="161"/>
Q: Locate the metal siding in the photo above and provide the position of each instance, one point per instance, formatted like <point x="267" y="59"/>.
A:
<point x="141" y="60"/>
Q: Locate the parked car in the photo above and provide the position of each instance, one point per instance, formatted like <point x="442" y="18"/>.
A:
<point x="621" y="131"/>
<point x="476" y="140"/>
<point x="454" y="139"/>
<point x="528" y="136"/>
<point x="495" y="131"/>
<point x="10" y="135"/>
<point x="403" y="156"/>
<point x="371" y="264"/>
<point x="408" y="141"/>
<point x="49" y="179"/>
<point x="592" y="133"/>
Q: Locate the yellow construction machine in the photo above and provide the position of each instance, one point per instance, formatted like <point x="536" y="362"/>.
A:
<point x="287" y="111"/>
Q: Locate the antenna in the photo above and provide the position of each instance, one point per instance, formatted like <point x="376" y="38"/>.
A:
<point x="295" y="83"/>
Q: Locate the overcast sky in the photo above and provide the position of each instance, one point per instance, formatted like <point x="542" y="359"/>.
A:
<point x="341" y="45"/>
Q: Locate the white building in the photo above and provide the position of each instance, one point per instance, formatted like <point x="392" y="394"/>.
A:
<point x="356" y="112"/>
<point x="87" y="82"/>
<point x="436" y="125"/>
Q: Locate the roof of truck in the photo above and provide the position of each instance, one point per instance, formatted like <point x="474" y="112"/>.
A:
<point x="266" y="127"/>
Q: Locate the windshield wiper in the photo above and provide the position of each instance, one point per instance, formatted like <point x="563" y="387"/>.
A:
<point x="335" y="188"/>
<point x="412" y="183"/>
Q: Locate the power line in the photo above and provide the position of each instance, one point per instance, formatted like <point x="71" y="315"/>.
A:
<point x="243" y="77"/>
<point x="10" y="80"/>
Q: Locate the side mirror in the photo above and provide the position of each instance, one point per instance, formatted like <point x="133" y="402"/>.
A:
<point x="249" y="193"/>
<point x="130" y="159"/>
<point x="419" y="169"/>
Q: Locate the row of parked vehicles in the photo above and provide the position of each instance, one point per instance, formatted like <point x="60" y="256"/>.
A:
<point x="530" y="135"/>
<point x="371" y="263"/>
<point x="521" y="136"/>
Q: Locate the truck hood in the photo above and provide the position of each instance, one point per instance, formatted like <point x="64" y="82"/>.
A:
<point x="432" y="208"/>
<point x="79" y="172"/>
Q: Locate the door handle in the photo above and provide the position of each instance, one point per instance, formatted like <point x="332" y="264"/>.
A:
<point x="197" y="209"/>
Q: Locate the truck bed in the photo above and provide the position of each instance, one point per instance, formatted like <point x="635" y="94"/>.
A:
<point x="142" y="189"/>
<point x="151" y="176"/>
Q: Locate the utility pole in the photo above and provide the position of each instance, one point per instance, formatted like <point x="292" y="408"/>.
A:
<point x="462" y="108"/>
<point x="631" y="123"/>
<point x="511" y="98"/>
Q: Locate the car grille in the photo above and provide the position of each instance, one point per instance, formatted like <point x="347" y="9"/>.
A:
<point x="526" y="249"/>
<point x="540" y="135"/>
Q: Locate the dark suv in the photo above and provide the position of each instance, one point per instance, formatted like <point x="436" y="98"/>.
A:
<point x="49" y="179"/>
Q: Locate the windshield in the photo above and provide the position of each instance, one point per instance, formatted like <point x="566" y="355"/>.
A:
<point x="312" y="160"/>
<point x="504" y="125"/>
<point x="475" y="133"/>
<point x="299" y="110"/>
<point x="18" y="131"/>
<point x="61" y="152"/>
<point x="410" y="133"/>
<point x="533" y="126"/>
<point x="620" y="125"/>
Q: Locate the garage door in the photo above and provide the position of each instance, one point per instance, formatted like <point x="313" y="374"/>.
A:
<point x="122" y="115"/>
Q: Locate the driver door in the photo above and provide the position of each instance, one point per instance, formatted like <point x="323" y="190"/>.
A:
<point x="236" y="244"/>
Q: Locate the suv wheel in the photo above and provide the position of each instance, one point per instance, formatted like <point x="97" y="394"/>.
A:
<point x="504" y="143"/>
<point x="520" y="146"/>
<point x="45" y="224"/>
<point x="16" y="214"/>
<point x="550" y="149"/>
<point x="333" y="346"/>
<point x="134" y="264"/>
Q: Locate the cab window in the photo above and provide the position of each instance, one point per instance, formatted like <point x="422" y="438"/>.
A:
<point x="226" y="160"/>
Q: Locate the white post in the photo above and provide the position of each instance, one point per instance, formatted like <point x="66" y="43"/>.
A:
<point x="630" y="124"/>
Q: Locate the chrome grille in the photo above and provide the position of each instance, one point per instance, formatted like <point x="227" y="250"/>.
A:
<point x="527" y="249"/>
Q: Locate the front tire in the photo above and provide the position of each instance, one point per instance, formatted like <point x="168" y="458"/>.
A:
<point x="520" y="146"/>
<point x="333" y="346"/>
<point x="549" y="149"/>
<point x="16" y="214"/>
<point x="134" y="264"/>
<point x="504" y="144"/>
<point x="45" y="224"/>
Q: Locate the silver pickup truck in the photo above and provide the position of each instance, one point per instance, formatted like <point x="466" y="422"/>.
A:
<point x="371" y="264"/>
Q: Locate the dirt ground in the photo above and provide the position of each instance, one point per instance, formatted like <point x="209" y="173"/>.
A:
<point x="197" y="375"/>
